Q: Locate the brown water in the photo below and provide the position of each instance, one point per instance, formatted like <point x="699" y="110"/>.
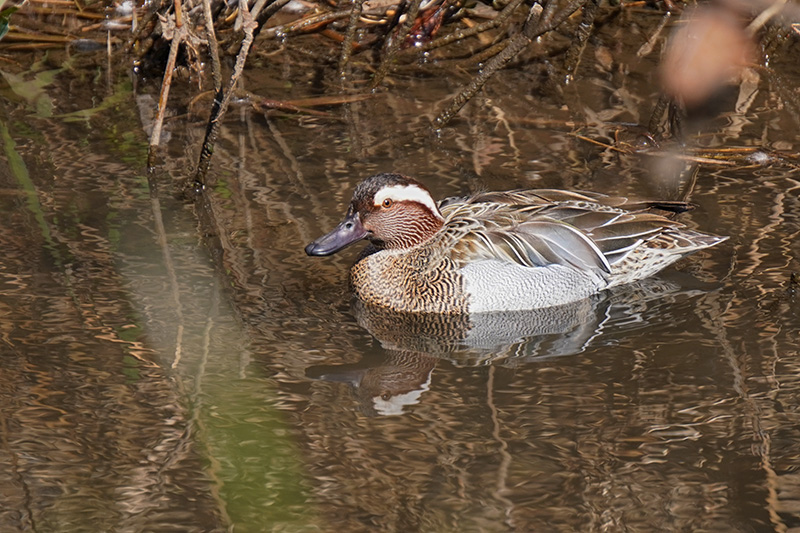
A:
<point x="156" y="377"/>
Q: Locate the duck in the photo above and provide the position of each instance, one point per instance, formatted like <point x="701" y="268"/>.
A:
<point x="501" y="251"/>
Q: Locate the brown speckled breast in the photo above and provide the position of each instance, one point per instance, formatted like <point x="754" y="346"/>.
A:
<point x="415" y="281"/>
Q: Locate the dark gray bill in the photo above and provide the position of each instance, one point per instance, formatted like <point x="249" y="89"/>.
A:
<point x="346" y="233"/>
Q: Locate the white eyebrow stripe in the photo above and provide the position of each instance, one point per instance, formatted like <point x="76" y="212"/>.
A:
<point x="410" y="193"/>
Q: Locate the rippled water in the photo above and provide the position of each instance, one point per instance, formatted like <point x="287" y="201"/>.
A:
<point x="164" y="371"/>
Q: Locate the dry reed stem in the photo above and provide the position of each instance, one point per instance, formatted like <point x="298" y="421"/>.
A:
<point x="177" y="38"/>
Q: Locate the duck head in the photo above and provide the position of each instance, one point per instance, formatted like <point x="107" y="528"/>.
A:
<point x="391" y="210"/>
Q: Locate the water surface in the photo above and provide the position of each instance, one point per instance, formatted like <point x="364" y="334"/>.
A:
<point x="166" y="371"/>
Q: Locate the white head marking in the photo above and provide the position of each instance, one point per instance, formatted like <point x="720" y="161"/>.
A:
<point x="410" y="193"/>
<point x="396" y="404"/>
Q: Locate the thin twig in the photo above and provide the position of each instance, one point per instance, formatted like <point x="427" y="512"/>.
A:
<point x="692" y="158"/>
<point x="223" y="96"/>
<point x="262" y="16"/>
<point x="178" y="13"/>
<point x="396" y="42"/>
<point x="600" y="143"/>
<point x="213" y="46"/>
<point x="349" y="36"/>
<point x="496" y="22"/>
<point x="309" y="24"/>
<point x="178" y="37"/>
<point x="539" y="21"/>
<point x="578" y="43"/>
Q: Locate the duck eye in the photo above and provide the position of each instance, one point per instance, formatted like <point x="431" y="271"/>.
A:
<point x="387" y="203"/>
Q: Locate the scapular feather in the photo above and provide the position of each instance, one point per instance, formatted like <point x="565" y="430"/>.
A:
<point x="585" y="231"/>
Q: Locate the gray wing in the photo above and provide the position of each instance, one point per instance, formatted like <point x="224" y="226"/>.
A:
<point x="543" y="227"/>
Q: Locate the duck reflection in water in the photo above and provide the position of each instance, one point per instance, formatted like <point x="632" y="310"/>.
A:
<point x="416" y="343"/>
<point x="388" y="387"/>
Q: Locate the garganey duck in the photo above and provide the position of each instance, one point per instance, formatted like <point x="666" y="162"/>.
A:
<point x="501" y="251"/>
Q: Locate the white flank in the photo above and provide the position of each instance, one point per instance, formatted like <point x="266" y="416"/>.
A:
<point x="494" y="285"/>
<point x="407" y="193"/>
